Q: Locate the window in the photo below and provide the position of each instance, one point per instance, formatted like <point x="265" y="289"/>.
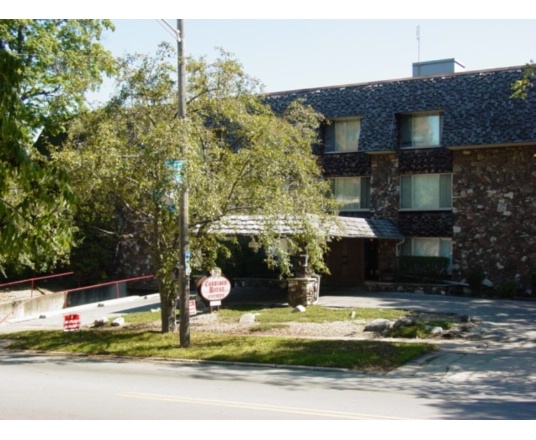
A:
<point x="420" y="130"/>
<point x="428" y="247"/>
<point x="352" y="192"/>
<point x="343" y="135"/>
<point x="426" y="191"/>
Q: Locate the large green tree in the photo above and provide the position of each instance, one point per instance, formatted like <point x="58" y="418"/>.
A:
<point x="238" y="157"/>
<point x="46" y="66"/>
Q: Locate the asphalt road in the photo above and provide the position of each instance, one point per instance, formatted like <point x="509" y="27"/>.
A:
<point x="490" y="378"/>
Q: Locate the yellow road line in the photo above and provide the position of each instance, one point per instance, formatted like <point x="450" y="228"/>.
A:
<point x="258" y="407"/>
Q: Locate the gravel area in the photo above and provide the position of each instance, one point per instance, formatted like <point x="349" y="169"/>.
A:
<point x="354" y="329"/>
<point x="209" y="322"/>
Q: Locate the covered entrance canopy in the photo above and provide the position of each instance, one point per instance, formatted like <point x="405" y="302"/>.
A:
<point x="344" y="227"/>
<point x="354" y="253"/>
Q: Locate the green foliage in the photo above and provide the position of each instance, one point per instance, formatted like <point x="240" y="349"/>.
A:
<point x="243" y="261"/>
<point x="93" y="258"/>
<point x="46" y="66"/>
<point x="239" y="158"/>
<point x="506" y="289"/>
<point x="423" y="267"/>
<point x="520" y="88"/>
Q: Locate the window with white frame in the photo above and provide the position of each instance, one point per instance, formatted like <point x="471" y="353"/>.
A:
<point x="426" y="191"/>
<point x="420" y="130"/>
<point x="342" y="135"/>
<point x="353" y="193"/>
<point x="428" y="247"/>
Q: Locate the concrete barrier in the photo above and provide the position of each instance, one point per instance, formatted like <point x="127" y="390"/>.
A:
<point x="41" y="305"/>
<point x="31" y="307"/>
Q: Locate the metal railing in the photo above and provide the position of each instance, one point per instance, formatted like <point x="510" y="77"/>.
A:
<point x="110" y="283"/>
<point x="65" y="293"/>
<point x="33" y="280"/>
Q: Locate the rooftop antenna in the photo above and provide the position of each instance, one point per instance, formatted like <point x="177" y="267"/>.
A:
<point x="419" y="50"/>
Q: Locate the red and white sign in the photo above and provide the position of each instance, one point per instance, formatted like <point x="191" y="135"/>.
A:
<point x="71" y="322"/>
<point x="192" y="307"/>
<point x="214" y="288"/>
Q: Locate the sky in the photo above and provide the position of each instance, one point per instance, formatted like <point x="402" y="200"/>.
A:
<point x="288" y="47"/>
<point x="287" y="54"/>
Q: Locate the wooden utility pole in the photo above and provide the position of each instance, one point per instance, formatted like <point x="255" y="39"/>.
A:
<point x="184" y="245"/>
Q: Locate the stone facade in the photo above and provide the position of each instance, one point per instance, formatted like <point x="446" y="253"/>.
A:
<point x="487" y="145"/>
<point x="494" y="206"/>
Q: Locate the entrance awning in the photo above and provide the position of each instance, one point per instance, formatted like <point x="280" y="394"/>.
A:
<point x="352" y="227"/>
<point x="349" y="227"/>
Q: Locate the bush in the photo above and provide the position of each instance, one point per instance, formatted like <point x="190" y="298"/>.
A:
<point x="506" y="289"/>
<point x="245" y="262"/>
<point x="474" y="279"/>
<point x="423" y="267"/>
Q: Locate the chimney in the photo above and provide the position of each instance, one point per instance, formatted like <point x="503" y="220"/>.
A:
<point x="437" y="67"/>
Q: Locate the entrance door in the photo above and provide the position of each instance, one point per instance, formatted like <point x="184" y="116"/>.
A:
<point x="345" y="261"/>
<point x="371" y="259"/>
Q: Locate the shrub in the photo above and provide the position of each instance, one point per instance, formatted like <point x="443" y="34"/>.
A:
<point x="506" y="289"/>
<point x="423" y="267"/>
<point x="474" y="279"/>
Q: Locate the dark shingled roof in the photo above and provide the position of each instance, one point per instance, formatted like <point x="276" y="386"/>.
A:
<point x="350" y="227"/>
<point x="477" y="107"/>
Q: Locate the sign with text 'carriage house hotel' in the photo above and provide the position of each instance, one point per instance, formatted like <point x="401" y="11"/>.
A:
<point x="214" y="288"/>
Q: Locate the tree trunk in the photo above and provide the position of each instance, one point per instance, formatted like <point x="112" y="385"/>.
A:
<point x="168" y="310"/>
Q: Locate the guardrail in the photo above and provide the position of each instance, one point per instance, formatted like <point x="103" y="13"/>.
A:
<point x="110" y="283"/>
<point x="33" y="280"/>
<point x="57" y="300"/>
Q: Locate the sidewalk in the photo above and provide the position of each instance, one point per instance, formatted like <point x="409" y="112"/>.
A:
<point x="503" y="361"/>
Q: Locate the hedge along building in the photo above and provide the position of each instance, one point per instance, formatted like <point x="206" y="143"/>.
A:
<point x="448" y="156"/>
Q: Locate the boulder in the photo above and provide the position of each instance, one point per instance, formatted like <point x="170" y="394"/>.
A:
<point x="247" y="318"/>
<point x="488" y="283"/>
<point x="298" y="309"/>
<point x="404" y="322"/>
<point x="434" y="331"/>
<point x="101" y="322"/>
<point x="378" y="325"/>
<point x="118" y="322"/>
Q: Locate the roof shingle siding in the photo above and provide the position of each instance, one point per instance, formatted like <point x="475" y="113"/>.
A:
<point x="477" y="107"/>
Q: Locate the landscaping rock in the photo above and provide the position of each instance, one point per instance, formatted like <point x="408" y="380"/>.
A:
<point x="434" y="331"/>
<point x="404" y="322"/>
<point x="247" y="318"/>
<point x="118" y="322"/>
<point x="298" y="309"/>
<point x="101" y="322"/>
<point x="487" y="283"/>
<point x="378" y="326"/>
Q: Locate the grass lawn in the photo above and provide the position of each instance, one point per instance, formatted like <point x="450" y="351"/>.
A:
<point x="139" y="339"/>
